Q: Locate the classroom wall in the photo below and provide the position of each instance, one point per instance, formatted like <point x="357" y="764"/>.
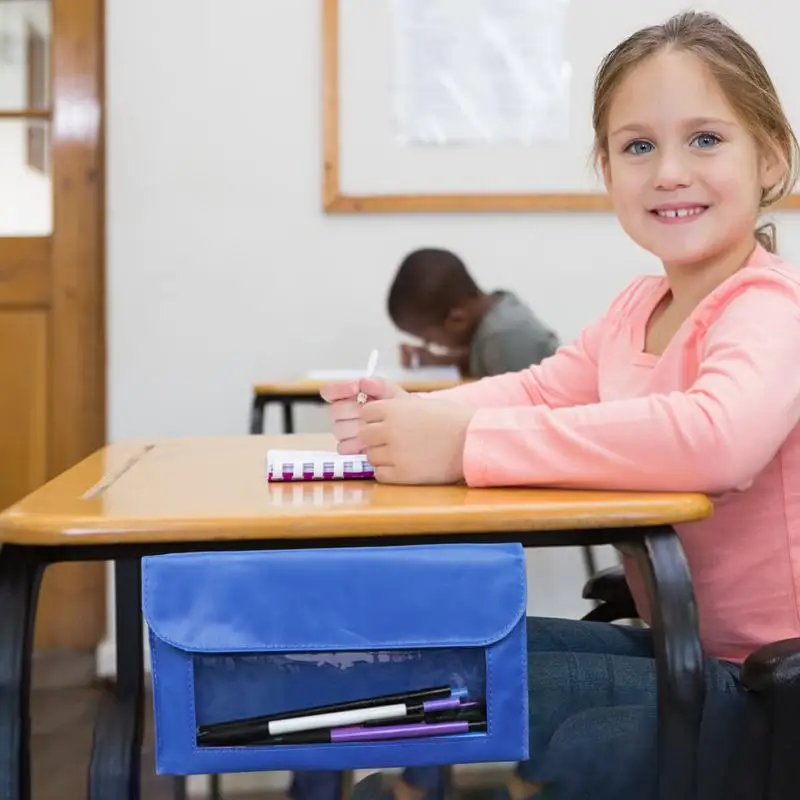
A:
<point x="218" y="253"/>
<point x="222" y="269"/>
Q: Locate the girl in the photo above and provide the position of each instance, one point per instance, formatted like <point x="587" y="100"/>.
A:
<point x="689" y="382"/>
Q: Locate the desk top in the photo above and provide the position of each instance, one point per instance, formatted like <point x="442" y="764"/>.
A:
<point x="311" y="388"/>
<point x="204" y="489"/>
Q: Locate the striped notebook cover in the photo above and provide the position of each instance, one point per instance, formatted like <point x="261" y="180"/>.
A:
<point x="310" y="465"/>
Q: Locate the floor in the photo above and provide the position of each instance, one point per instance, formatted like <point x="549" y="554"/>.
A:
<point x="64" y="703"/>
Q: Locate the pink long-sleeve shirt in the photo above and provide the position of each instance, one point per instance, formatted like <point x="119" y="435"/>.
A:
<point x="717" y="413"/>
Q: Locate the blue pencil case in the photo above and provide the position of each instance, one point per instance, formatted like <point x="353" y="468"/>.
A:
<point x="239" y="635"/>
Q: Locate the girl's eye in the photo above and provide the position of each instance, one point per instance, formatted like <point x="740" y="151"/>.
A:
<point x="705" y="140"/>
<point x="639" y="147"/>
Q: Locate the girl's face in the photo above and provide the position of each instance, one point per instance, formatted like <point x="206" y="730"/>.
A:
<point x="684" y="175"/>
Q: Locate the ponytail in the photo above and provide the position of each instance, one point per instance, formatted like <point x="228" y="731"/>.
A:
<point x="767" y="237"/>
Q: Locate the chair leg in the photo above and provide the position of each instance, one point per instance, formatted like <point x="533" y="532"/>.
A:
<point x="589" y="561"/>
<point x="20" y="576"/>
<point x="676" y="639"/>
<point x="608" y="612"/>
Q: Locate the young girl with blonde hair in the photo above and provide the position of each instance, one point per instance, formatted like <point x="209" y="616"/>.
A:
<point x="689" y="382"/>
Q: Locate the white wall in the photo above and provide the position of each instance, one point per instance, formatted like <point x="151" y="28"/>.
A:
<point x="219" y="255"/>
<point x="221" y="268"/>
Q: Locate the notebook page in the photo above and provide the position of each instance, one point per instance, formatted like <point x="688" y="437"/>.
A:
<point x="315" y="465"/>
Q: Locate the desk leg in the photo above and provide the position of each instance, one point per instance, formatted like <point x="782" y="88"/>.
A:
<point x="257" y="415"/>
<point x="114" y="772"/>
<point x="179" y="788"/>
<point x="20" y="575"/>
<point x="288" y="416"/>
<point x="681" y="682"/>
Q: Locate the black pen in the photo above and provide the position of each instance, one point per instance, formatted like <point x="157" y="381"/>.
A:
<point x="249" y="726"/>
<point x="471" y="711"/>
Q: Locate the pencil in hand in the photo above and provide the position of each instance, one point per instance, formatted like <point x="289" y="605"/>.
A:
<point x="371" y="364"/>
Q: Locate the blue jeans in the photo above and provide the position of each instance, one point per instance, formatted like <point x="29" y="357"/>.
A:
<point x="593" y="719"/>
<point x="592" y="704"/>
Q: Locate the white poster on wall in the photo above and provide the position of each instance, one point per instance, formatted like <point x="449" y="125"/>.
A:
<point x="468" y="71"/>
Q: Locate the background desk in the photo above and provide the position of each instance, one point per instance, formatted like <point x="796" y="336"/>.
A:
<point x="288" y="393"/>
<point x="140" y="498"/>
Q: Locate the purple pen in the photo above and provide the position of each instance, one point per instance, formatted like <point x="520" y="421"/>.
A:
<point x="379" y="733"/>
<point x="413" y="731"/>
<point x="436" y="705"/>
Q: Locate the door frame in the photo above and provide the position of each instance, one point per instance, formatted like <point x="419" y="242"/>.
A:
<point x="63" y="274"/>
<point x="77" y="403"/>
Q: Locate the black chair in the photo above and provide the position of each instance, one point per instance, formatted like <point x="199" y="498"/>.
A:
<point x="770" y="767"/>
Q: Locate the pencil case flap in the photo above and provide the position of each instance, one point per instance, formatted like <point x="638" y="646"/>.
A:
<point x="240" y="634"/>
<point x="342" y="599"/>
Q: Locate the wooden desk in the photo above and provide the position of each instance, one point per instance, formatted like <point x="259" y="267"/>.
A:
<point x="139" y="498"/>
<point x="288" y="393"/>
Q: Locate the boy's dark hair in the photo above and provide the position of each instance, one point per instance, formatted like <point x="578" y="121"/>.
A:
<point x="429" y="283"/>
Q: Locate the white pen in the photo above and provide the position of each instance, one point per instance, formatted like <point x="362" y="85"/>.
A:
<point x="371" y="364"/>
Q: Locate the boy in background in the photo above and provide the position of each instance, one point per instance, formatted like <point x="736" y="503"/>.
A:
<point x="434" y="298"/>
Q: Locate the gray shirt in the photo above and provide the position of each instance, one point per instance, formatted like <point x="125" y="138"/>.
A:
<point x="509" y="338"/>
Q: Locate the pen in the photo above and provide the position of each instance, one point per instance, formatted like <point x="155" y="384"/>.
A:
<point x="245" y="726"/>
<point x="371" y="364"/>
<point x="338" y="719"/>
<point x="472" y="711"/>
<point x="413" y="731"/>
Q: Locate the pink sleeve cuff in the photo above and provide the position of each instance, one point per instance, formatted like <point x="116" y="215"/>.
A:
<point x="492" y="454"/>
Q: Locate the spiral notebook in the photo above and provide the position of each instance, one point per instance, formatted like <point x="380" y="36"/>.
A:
<point x="311" y="465"/>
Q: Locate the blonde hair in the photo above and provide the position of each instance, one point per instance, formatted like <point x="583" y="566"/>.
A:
<point x="741" y="76"/>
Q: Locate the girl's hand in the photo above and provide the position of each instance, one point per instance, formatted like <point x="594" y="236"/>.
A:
<point x="415" y="440"/>
<point x="345" y="411"/>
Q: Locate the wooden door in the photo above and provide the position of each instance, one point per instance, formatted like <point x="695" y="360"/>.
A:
<point x="52" y="337"/>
